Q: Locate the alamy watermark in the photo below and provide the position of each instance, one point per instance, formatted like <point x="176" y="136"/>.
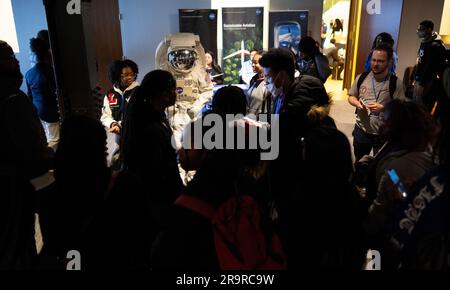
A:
<point x="73" y="7"/>
<point x="73" y="261"/>
<point x="373" y="7"/>
<point x="234" y="132"/>
<point x="373" y="260"/>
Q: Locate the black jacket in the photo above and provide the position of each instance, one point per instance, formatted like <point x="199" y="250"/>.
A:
<point x="305" y="92"/>
<point x="149" y="155"/>
<point x="285" y="172"/>
<point x="316" y="66"/>
<point x="25" y="155"/>
<point x="23" y="144"/>
<point x="431" y="61"/>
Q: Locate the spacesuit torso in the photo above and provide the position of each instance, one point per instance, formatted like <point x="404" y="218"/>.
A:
<point x="182" y="55"/>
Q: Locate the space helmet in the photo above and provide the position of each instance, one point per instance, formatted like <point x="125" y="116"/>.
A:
<point x="182" y="60"/>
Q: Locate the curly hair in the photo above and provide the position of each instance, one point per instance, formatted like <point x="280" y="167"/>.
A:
<point x="308" y="46"/>
<point x="116" y="67"/>
<point x="383" y="37"/>
<point x="39" y="47"/>
<point x="407" y="125"/>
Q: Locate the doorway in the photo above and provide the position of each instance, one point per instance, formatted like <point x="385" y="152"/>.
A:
<point x="334" y="41"/>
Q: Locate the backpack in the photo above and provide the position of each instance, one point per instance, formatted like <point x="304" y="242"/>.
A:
<point x="421" y="231"/>
<point x="392" y="83"/>
<point x="240" y="242"/>
<point x="365" y="171"/>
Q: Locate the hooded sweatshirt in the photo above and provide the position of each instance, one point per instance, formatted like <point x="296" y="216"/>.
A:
<point x="431" y="60"/>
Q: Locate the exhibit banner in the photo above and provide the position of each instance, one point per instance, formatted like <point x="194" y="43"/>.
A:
<point x="242" y="30"/>
<point x="202" y="22"/>
<point x="286" y="28"/>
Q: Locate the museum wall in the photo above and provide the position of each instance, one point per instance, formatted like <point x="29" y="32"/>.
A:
<point x="408" y="43"/>
<point x="144" y="24"/>
<point x="315" y="8"/>
<point x="27" y="26"/>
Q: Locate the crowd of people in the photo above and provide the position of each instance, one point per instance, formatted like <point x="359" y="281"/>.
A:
<point x="314" y="207"/>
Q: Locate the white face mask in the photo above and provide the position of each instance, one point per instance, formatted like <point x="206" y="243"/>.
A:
<point x="274" y="91"/>
<point x="421" y="34"/>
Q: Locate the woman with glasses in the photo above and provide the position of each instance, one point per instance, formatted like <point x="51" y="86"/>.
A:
<point x="122" y="74"/>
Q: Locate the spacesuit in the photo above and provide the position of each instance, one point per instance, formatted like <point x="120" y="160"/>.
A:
<point x="183" y="56"/>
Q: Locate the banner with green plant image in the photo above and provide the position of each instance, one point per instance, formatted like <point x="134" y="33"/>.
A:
<point x="242" y="31"/>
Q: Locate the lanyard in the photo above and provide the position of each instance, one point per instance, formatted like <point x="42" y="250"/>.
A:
<point x="375" y="91"/>
<point x="122" y="103"/>
<point x="279" y="104"/>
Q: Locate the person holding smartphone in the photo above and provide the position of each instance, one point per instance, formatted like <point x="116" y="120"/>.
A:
<point x="369" y="94"/>
<point x="408" y="130"/>
<point x="422" y="239"/>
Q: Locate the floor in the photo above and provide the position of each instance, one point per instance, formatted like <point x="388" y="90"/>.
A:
<point x="341" y="111"/>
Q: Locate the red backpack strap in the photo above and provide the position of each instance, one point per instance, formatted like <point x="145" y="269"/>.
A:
<point x="197" y="205"/>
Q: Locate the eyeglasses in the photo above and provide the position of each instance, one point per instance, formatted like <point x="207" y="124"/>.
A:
<point x="126" y="75"/>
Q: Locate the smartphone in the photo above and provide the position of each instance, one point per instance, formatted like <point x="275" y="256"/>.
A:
<point x="393" y="176"/>
<point x="366" y="108"/>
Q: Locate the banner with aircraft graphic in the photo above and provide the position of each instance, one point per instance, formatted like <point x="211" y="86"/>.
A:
<point x="286" y="28"/>
<point x="242" y="31"/>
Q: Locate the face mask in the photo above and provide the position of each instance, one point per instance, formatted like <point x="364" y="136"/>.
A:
<point x="274" y="90"/>
<point x="420" y="34"/>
